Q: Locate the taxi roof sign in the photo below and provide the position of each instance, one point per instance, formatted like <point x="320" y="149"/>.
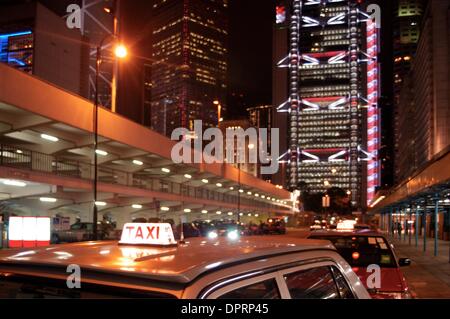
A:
<point x="346" y="225"/>
<point x="150" y="234"/>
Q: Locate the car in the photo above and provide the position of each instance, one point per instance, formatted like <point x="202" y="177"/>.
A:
<point x="224" y="227"/>
<point x="317" y="225"/>
<point x="148" y="263"/>
<point x="189" y="230"/>
<point x="276" y="226"/>
<point x="363" y="249"/>
<point x="82" y="232"/>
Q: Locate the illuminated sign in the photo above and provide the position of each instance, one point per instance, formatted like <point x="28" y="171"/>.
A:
<point x="29" y="232"/>
<point x="153" y="234"/>
<point x="281" y="14"/>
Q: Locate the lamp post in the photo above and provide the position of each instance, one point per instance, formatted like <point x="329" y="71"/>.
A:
<point x="219" y="111"/>
<point x="120" y="52"/>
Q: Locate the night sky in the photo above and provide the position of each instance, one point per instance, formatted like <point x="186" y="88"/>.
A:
<point x="250" y="45"/>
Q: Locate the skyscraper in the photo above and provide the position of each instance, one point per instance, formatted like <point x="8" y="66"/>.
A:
<point x="190" y="62"/>
<point x="407" y="25"/>
<point x="423" y="110"/>
<point x="332" y="102"/>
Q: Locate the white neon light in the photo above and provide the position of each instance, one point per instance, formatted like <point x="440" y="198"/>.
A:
<point x="310" y="22"/>
<point x="339" y="19"/>
<point x="334" y="158"/>
<point x="337" y="59"/>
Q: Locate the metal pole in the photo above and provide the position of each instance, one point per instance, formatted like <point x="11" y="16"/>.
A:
<point x="115" y="74"/>
<point x="409" y="225"/>
<point x="390" y="221"/>
<point x="239" y="192"/>
<point x="424" y="229"/>
<point x="436" y="215"/>
<point x="417" y="226"/>
<point x="97" y="71"/>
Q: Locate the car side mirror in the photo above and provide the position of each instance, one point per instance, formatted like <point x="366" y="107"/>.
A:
<point x="404" y="262"/>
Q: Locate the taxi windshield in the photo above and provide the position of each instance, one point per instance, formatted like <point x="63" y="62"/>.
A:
<point x="362" y="251"/>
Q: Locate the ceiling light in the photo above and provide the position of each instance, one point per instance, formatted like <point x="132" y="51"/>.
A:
<point x="219" y="212"/>
<point x="249" y="215"/>
<point x="219" y="185"/>
<point x="204" y="211"/>
<point x="241" y="214"/>
<point x="256" y="195"/>
<point x="165" y="170"/>
<point x="49" y="138"/>
<point x="263" y="196"/>
<point x="241" y="191"/>
<point x="231" y="188"/>
<point x="136" y="206"/>
<point x="9" y="182"/>
<point x="230" y="213"/>
<point x="249" y="193"/>
<point x="165" y="209"/>
<point x="100" y="204"/>
<point x="187" y="210"/>
<point x="19" y="152"/>
<point x="101" y="152"/>
<point x="187" y="176"/>
<point x="138" y="163"/>
<point x="48" y="200"/>
<point x="205" y="181"/>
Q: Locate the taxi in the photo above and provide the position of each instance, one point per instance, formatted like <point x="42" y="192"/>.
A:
<point x="364" y="248"/>
<point x="148" y="263"/>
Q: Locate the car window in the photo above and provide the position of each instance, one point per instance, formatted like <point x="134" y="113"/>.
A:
<point x="262" y="290"/>
<point x="315" y="283"/>
<point x="362" y="251"/>
<point x="344" y="290"/>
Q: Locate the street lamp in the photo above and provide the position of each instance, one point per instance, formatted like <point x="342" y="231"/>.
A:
<point x="120" y="52"/>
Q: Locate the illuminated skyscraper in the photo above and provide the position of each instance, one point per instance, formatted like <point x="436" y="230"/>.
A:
<point x="190" y="68"/>
<point x="332" y="103"/>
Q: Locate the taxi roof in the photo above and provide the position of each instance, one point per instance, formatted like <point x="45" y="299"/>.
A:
<point x="356" y="232"/>
<point x="179" y="265"/>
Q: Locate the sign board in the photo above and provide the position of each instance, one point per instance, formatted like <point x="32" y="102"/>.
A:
<point x="152" y="234"/>
<point x="29" y="232"/>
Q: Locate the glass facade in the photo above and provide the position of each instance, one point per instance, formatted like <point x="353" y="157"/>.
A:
<point x="16" y="49"/>
<point x="190" y="68"/>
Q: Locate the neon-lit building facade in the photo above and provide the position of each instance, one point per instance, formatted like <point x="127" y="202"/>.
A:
<point x="190" y="50"/>
<point x="333" y="99"/>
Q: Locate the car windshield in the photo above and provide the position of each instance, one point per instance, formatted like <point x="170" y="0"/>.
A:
<point x="362" y="251"/>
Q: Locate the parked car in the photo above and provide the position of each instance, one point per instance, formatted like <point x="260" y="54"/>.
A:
<point x="276" y="226"/>
<point x="82" y="232"/>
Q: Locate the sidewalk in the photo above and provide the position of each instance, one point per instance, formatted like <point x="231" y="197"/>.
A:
<point x="428" y="276"/>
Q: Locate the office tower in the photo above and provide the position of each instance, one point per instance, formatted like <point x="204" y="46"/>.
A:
<point x="332" y="99"/>
<point x="36" y="40"/>
<point x="407" y="23"/>
<point x="261" y="117"/>
<point x="190" y="68"/>
<point x="423" y="117"/>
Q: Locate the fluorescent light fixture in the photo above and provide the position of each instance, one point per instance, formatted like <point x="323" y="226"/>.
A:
<point x="249" y="193"/>
<point x="101" y="152"/>
<point x="9" y="182"/>
<point x="187" y="176"/>
<point x="230" y="213"/>
<point x="241" y="191"/>
<point x="165" y="170"/>
<point x="100" y="203"/>
<point x="204" y="211"/>
<point x="205" y="181"/>
<point x="49" y="138"/>
<point x="219" y="212"/>
<point x="165" y="209"/>
<point x="249" y="215"/>
<point x="256" y="195"/>
<point x="187" y="210"/>
<point x="263" y="196"/>
<point x="219" y="185"/>
<point x="136" y="206"/>
<point x="241" y="214"/>
<point x="138" y="163"/>
<point x="268" y="198"/>
<point x="19" y="152"/>
<point x="231" y="188"/>
<point x="256" y="215"/>
<point x="48" y="200"/>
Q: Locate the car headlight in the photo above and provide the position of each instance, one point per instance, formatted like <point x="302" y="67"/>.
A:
<point x="212" y="235"/>
<point x="233" y="235"/>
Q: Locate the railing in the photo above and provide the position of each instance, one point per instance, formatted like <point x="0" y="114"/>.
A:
<point x="30" y="160"/>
